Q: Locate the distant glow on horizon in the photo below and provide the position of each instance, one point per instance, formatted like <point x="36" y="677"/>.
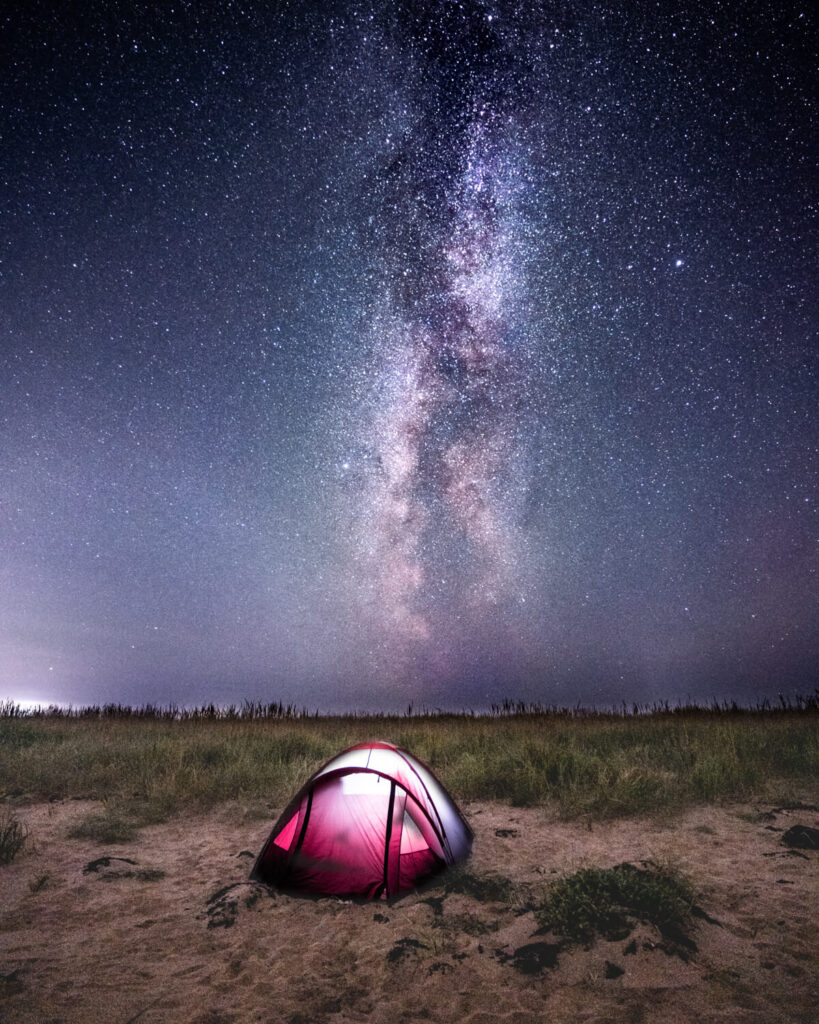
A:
<point x="34" y="704"/>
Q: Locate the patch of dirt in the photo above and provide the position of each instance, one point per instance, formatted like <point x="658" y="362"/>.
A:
<point x="203" y="944"/>
<point x="402" y="948"/>
<point x="222" y="906"/>
<point x="533" y="957"/>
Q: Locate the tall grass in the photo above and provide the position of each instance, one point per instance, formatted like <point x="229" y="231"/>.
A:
<point x="156" y="762"/>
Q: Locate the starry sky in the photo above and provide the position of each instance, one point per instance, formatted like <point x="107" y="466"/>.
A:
<point x="364" y="354"/>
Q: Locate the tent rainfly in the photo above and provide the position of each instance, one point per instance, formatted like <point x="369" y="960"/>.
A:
<point x="373" y="822"/>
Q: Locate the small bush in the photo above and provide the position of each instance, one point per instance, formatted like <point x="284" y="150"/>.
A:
<point x="608" y="901"/>
<point x="12" y="837"/>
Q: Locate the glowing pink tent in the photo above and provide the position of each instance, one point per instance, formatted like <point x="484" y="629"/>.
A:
<point x="372" y="822"/>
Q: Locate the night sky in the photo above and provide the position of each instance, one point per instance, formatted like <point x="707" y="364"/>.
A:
<point x="359" y="354"/>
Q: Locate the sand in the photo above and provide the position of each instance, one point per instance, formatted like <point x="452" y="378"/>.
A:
<point x="173" y="931"/>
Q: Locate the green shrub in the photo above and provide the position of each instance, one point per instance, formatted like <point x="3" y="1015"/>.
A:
<point x="607" y="901"/>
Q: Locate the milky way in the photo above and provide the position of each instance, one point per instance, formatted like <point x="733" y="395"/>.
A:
<point x="361" y="354"/>
<point x="444" y="437"/>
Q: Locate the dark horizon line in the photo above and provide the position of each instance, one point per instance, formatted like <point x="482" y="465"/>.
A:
<point x="250" y="710"/>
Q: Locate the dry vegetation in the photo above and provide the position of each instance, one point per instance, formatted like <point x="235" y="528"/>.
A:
<point x="149" y="764"/>
<point x="628" y="867"/>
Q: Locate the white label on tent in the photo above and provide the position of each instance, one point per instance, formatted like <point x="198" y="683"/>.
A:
<point x="362" y="782"/>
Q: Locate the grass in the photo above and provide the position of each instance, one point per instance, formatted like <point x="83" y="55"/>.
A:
<point x="13" y="837"/>
<point x="108" y="827"/>
<point x="149" y="764"/>
<point x="608" y="901"/>
<point x="577" y="907"/>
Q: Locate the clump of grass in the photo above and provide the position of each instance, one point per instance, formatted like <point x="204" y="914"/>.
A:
<point x="146" y="810"/>
<point x="108" y="826"/>
<point x="13" y="837"/>
<point x="17" y="733"/>
<point x="608" y="902"/>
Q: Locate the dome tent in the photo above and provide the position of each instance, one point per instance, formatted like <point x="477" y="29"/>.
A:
<point x="373" y="822"/>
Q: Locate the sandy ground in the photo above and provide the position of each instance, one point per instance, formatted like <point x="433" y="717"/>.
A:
<point x="121" y="944"/>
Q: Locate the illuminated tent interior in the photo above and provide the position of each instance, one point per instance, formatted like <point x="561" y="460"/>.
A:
<point x="373" y="822"/>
